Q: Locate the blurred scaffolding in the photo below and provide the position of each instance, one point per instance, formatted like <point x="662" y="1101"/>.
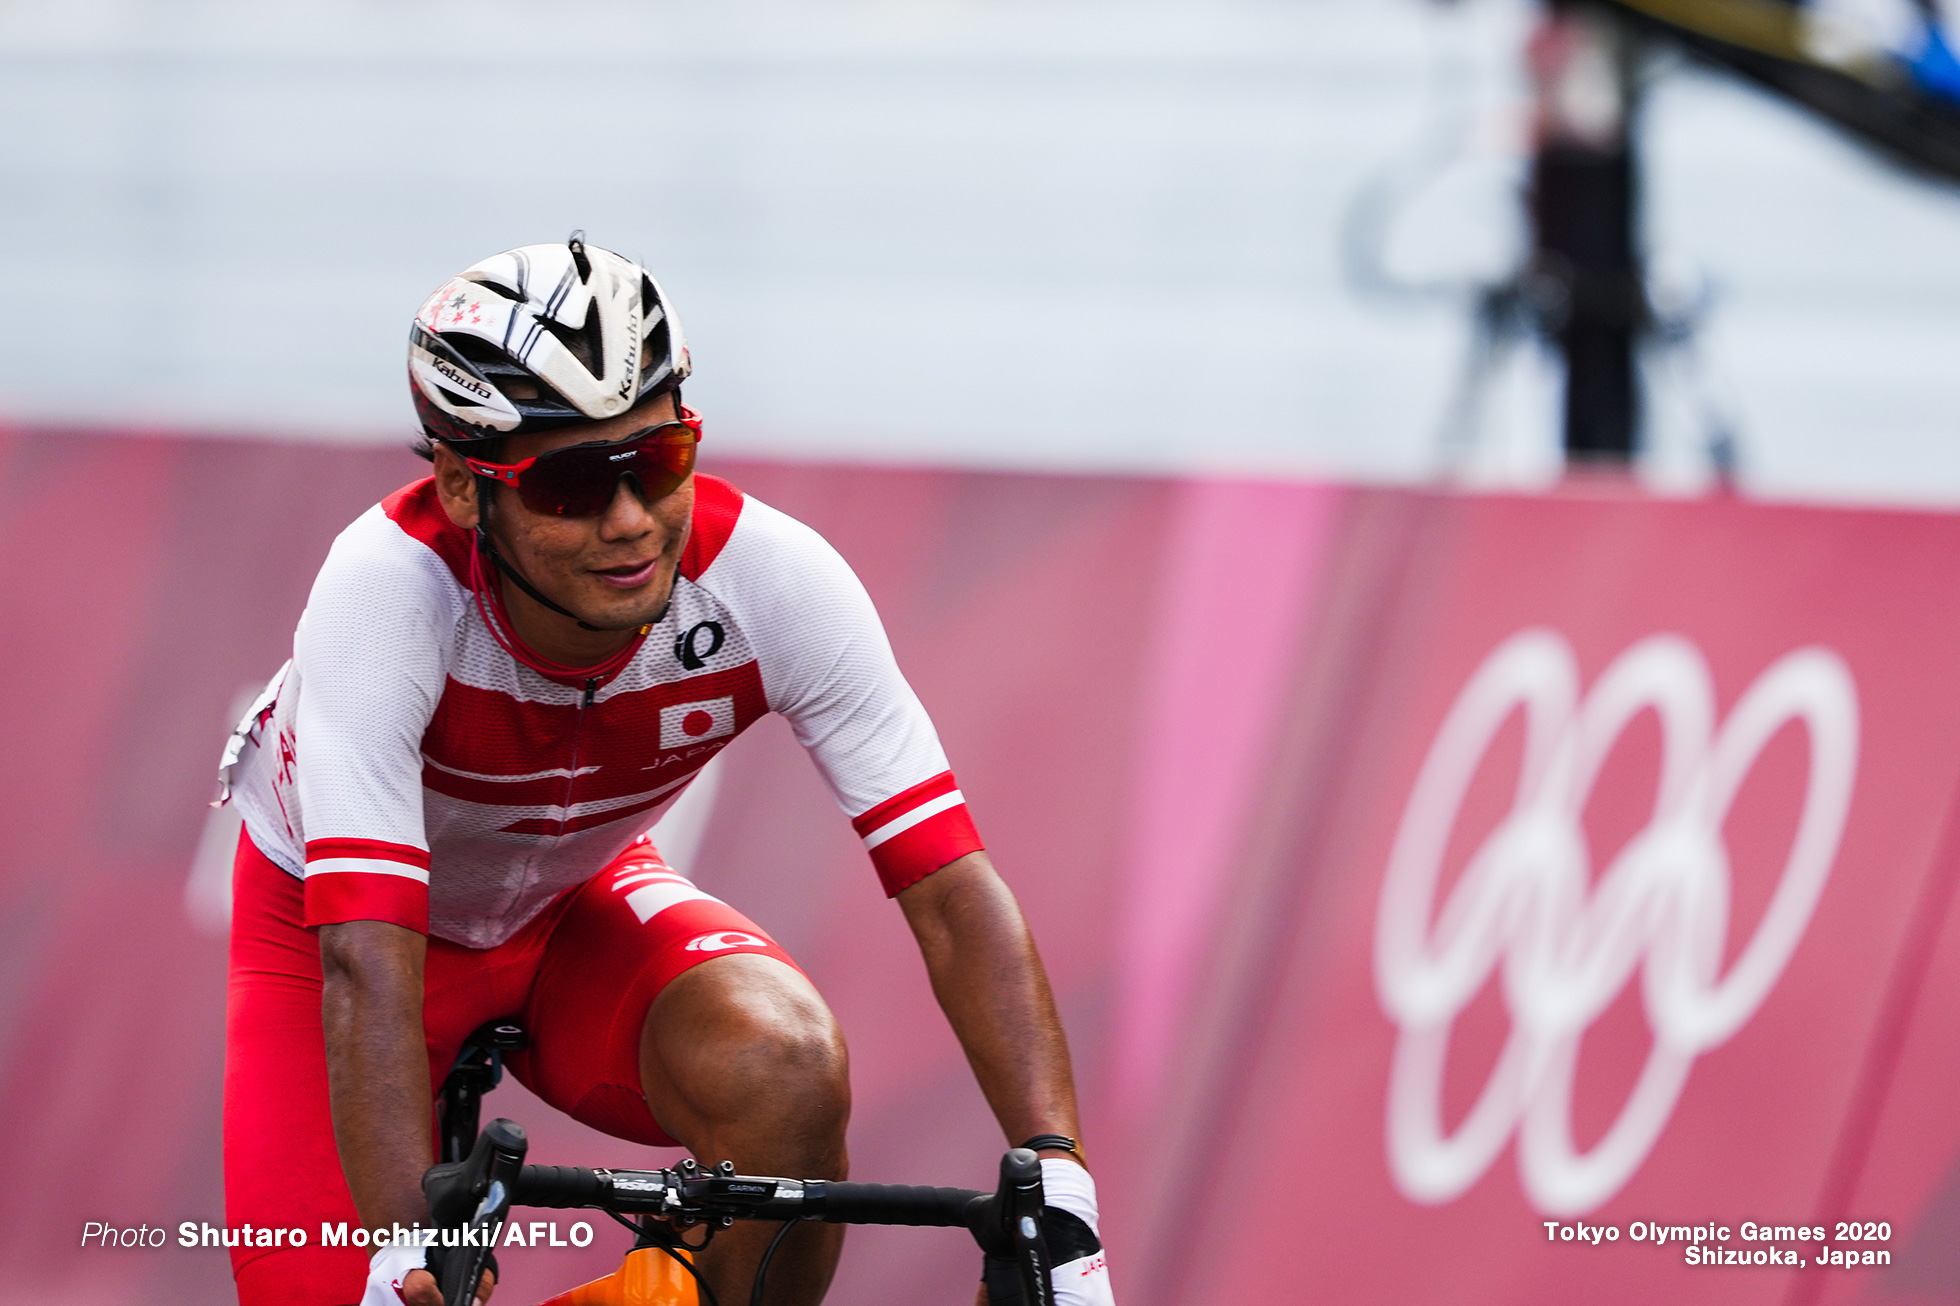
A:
<point x="1581" y="285"/>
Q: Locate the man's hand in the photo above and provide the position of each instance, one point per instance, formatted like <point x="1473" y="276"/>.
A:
<point x="378" y="1066"/>
<point x="396" y="1277"/>
<point x="1070" y="1226"/>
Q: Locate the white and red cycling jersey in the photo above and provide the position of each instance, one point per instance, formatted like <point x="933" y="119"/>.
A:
<point x="410" y="770"/>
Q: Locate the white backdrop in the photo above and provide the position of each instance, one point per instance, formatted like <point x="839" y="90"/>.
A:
<point x="1077" y="234"/>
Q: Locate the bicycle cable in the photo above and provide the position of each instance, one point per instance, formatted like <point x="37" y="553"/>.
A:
<point x="707" y="1293"/>
<point x="762" y="1267"/>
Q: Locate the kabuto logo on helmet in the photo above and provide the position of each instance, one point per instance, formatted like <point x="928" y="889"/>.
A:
<point x="635" y="348"/>
<point x="456" y="378"/>
<point x="538" y="337"/>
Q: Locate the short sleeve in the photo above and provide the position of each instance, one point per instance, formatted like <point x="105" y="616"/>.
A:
<point x="371" y="654"/>
<point x="828" y="668"/>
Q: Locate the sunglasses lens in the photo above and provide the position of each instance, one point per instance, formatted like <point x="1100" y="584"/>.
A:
<point x="582" y="480"/>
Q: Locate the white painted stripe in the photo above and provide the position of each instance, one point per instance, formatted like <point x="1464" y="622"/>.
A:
<point x="900" y="824"/>
<point x="629" y="877"/>
<point x="556" y="773"/>
<point x="366" y="866"/>
<point x="650" y="901"/>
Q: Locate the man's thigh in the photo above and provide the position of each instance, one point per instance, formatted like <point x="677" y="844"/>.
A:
<point x="625" y="936"/>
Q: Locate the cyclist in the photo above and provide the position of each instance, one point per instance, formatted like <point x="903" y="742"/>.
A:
<point x="504" y="674"/>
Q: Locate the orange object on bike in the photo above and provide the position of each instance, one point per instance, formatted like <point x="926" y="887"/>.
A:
<point x="648" y="1277"/>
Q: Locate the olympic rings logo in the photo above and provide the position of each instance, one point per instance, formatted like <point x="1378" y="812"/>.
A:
<point x="1567" y="947"/>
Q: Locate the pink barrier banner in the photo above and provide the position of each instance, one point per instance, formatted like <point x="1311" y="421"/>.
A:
<point x="1451" y="898"/>
<point x="1592" y="917"/>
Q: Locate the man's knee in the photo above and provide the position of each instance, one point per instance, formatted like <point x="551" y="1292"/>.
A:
<point x="746" y="1036"/>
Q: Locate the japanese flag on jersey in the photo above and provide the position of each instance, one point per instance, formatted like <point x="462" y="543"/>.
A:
<point x="693" y="723"/>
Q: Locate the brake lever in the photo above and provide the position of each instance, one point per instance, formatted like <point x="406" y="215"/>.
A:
<point x="1030" y="1248"/>
<point x="1008" y="1225"/>
<point x="475" y="1194"/>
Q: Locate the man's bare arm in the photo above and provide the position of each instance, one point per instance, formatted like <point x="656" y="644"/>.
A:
<point x="378" y="1066"/>
<point x="378" y="1078"/>
<point x="990" y="982"/>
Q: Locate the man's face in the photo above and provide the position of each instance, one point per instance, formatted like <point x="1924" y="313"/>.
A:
<point x="615" y="570"/>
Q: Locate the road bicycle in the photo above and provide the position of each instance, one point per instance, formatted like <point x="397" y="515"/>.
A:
<point x="483" y="1174"/>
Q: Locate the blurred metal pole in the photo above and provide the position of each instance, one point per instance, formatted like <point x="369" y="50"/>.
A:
<point x="1585" y="274"/>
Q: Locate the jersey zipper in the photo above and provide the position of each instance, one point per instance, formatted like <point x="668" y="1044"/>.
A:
<point x="586" y="700"/>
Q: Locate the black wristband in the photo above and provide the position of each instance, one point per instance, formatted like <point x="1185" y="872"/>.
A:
<point x="1054" y="1142"/>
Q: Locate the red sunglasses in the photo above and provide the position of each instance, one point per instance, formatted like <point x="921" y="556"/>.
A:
<point x="580" y="480"/>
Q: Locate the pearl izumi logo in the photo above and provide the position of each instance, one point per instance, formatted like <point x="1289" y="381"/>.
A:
<point x="724" y="940"/>
<point x="1567" y="945"/>
<point x="702" y="641"/>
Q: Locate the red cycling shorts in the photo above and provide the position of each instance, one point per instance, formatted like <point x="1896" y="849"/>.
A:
<point x="580" y="977"/>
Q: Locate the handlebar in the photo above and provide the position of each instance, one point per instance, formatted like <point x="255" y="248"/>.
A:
<point x="746" y="1197"/>
<point x="479" y="1191"/>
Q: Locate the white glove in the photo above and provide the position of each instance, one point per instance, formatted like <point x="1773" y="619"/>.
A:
<point x="389" y="1266"/>
<point x="1083" y="1278"/>
<point x="386" y="1270"/>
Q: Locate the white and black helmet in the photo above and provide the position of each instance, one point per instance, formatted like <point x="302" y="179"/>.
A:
<point x="538" y="337"/>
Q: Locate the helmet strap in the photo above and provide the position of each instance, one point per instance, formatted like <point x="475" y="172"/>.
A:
<point x="486" y="494"/>
<point x="485" y="543"/>
<point x="490" y="606"/>
<point x="486" y="490"/>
